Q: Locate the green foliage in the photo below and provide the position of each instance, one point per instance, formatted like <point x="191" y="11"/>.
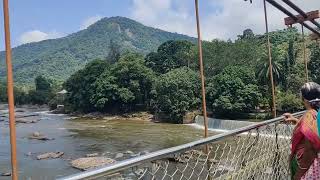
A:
<point x="114" y="52"/>
<point x="127" y="82"/>
<point x="247" y="34"/>
<point x="283" y="36"/>
<point x="59" y="58"/>
<point x="42" y="84"/>
<point x="176" y="93"/>
<point x="80" y="85"/>
<point x="263" y="69"/>
<point x="171" y="55"/>
<point x="20" y="95"/>
<point x="288" y="64"/>
<point x="125" y="85"/>
<point x="3" y="92"/>
<point x="288" y="102"/>
<point x="219" y="54"/>
<point x="296" y="78"/>
<point x="43" y="92"/>
<point x="314" y="63"/>
<point x="234" y="90"/>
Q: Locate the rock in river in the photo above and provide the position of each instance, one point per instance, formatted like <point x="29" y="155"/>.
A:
<point x="129" y="152"/>
<point x="52" y="155"/>
<point x="92" y="155"/>
<point x="26" y="121"/>
<point x="91" y="162"/>
<point x="119" y="155"/>
<point x="5" y="174"/>
<point x="38" y="136"/>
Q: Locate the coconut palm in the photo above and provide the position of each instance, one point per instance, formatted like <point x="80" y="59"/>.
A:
<point x="263" y="71"/>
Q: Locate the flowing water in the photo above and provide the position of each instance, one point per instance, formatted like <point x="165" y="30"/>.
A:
<point x="221" y="125"/>
<point x="78" y="137"/>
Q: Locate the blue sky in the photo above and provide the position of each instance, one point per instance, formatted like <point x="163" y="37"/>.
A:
<point x="35" y="20"/>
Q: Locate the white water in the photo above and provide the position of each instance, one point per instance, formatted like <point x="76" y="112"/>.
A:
<point x="222" y="125"/>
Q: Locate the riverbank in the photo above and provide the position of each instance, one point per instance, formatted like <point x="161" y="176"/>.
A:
<point x="139" y="116"/>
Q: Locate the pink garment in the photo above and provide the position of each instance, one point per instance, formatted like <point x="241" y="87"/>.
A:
<point x="313" y="172"/>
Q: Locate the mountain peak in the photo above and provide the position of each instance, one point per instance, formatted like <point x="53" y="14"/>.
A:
<point x="59" y="58"/>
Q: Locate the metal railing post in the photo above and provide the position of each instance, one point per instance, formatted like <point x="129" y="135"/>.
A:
<point x="304" y="54"/>
<point x="274" y="111"/>
<point x="10" y="92"/>
<point x="203" y="90"/>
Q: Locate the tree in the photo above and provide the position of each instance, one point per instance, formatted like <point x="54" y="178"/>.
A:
<point x="314" y="63"/>
<point x="263" y="69"/>
<point x="42" y="84"/>
<point x="114" y="52"/>
<point x="219" y="54"/>
<point x="42" y="93"/>
<point x="20" y="96"/>
<point x="288" y="102"/>
<point x="170" y="55"/>
<point x="3" y="92"/>
<point x="127" y="84"/>
<point x="247" y="34"/>
<point x="295" y="79"/>
<point x="80" y="85"/>
<point x="176" y="93"/>
<point x="234" y="90"/>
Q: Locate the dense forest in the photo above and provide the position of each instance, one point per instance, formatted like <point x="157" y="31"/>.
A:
<point x="59" y="58"/>
<point x="167" y="80"/>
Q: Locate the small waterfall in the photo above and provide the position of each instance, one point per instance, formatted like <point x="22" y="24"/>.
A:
<point x="222" y="125"/>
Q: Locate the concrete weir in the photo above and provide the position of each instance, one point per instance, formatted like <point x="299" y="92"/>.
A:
<point x="221" y="124"/>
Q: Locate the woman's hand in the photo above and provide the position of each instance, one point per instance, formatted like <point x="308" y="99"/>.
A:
<point x="288" y="117"/>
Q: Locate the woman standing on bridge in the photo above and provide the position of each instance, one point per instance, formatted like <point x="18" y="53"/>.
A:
<point x="305" y="150"/>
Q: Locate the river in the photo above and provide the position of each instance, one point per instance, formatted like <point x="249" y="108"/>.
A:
<point x="78" y="137"/>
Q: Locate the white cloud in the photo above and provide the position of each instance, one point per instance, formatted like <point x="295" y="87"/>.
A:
<point x="89" y="21"/>
<point x="36" y="36"/>
<point x="161" y="14"/>
<point x="221" y="19"/>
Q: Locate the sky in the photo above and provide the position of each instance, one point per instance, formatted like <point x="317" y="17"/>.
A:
<point x="36" y="20"/>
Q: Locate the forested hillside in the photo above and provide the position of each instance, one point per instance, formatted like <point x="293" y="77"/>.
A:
<point x="59" y="58"/>
<point x="167" y="80"/>
<point x="122" y="77"/>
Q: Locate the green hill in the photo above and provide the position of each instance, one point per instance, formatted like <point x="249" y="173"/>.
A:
<point x="59" y="58"/>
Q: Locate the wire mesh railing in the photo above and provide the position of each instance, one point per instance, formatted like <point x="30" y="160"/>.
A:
<point x="259" y="151"/>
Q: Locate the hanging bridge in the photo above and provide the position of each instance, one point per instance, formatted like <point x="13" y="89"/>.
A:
<point x="257" y="151"/>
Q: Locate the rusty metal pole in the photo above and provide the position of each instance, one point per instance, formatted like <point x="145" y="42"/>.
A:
<point x="203" y="90"/>
<point x="12" y="125"/>
<point x="304" y="54"/>
<point x="204" y="106"/>
<point x="274" y="111"/>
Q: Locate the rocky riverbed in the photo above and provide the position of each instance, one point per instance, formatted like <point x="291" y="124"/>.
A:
<point x="56" y="145"/>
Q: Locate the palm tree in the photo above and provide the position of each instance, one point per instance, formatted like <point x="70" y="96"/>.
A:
<point x="263" y="71"/>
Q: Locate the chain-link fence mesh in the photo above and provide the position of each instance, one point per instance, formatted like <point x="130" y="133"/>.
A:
<point x="259" y="151"/>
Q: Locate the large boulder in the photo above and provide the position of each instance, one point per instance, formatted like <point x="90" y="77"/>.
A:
<point x="91" y="162"/>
